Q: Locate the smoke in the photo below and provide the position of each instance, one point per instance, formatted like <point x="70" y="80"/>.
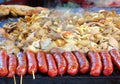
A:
<point x="69" y="7"/>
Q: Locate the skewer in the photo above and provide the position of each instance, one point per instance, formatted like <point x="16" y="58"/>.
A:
<point x="33" y="74"/>
<point x="21" y="79"/>
<point x="14" y="78"/>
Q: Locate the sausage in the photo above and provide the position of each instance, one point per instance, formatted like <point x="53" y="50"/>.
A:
<point x="3" y="63"/>
<point x="72" y="63"/>
<point x="96" y="64"/>
<point x="42" y="63"/>
<point x="32" y="62"/>
<point x="61" y="63"/>
<point x="83" y="62"/>
<point x="22" y="64"/>
<point x="107" y="63"/>
<point x="12" y="65"/>
<point x="52" y="68"/>
<point x="115" y="57"/>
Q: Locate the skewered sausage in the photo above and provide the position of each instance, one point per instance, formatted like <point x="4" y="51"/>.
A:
<point x="96" y="64"/>
<point x="42" y="63"/>
<point x="22" y="64"/>
<point x="83" y="62"/>
<point x="72" y="63"/>
<point x="107" y="63"/>
<point x="32" y="63"/>
<point x="52" y="68"/>
<point x="12" y="65"/>
<point x="3" y="63"/>
<point x="115" y="57"/>
<point x="61" y="63"/>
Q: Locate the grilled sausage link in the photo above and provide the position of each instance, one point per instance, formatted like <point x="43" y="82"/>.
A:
<point x="12" y="65"/>
<point x="72" y="63"/>
<point x="32" y="62"/>
<point x="107" y="63"/>
<point x="61" y="63"/>
<point x="22" y="64"/>
<point x="115" y="57"/>
<point x="83" y="62"/>
<point x="96" y="64"/>
<point x="42" y="62"/>
<point x="52" y="68"/>
<point x="3" y="63"/>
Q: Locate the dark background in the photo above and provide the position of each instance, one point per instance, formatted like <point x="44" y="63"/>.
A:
<point x="47" y="3"/>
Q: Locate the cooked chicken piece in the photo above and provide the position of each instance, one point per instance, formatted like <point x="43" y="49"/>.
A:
<point x="36" y="44"/>
<point x="70" y="47"/>
<point x="9" y="26"/>
<point x="21" y="10"/>
<point x="4" y="11"/>
<point x="30" y="37"/>
<point x="60" y="42"/>
<point x="94" y="30"/>
<point x="104" y="46"/>
<point x="84" y="43"/>
<point x="31" y="47"/>
<point x="44" y="43"/>
<point x="7" y="44"/>
<point x="113" y="42"/>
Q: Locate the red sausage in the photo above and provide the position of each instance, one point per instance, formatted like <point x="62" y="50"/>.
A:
<point x="32" y="62"/>
<point x="12" y="65"/>
<point x="22" y="64"/>
<point x="96" y="64"/>
<point x="3" y="63"/>
<point x="61" y="63"/>
<point x="52" y="68"/>
<point x="115" y="57"/>
<point x="72" y="63"/>
<point x="83" y="62"/>
<point x="107" y="63"/>
<point x="42" y="63"/>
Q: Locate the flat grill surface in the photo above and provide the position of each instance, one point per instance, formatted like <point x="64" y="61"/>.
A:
<point x="65" y="79"/>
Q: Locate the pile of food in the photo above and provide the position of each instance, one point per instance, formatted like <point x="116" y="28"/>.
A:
<point x="56" y="42"/>
<point x="56" y="31"/>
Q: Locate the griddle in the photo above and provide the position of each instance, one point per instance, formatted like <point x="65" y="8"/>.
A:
<point x="65" y="79"/>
